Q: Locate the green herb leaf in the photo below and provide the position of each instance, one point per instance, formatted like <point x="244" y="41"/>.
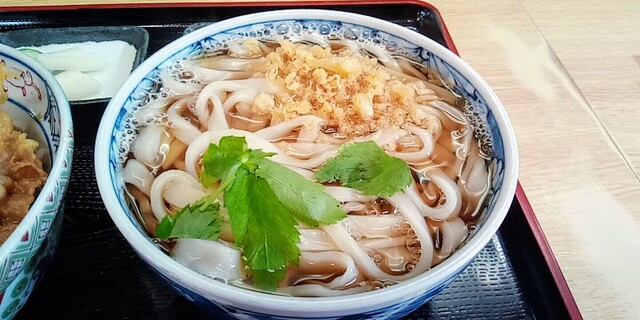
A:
<point x="305" y="199"/>
<point x="207" y="180"/>
<point x="222" y="161"/>
<point x="264" y="201"/>
<point x="200" y="220"/>
<point x="366" y="167"/>
<point x="163" y="231"/>
<point x="268" y="280"/>
<point x="262" y="227"/>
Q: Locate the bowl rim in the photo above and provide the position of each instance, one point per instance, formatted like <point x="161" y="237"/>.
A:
<point x="321" y="306"/>
<point x="66" y="142"/>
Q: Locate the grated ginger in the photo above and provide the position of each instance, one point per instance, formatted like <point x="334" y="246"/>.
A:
<point x="353" y="92"/>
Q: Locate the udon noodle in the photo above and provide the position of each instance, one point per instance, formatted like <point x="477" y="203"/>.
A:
<point x="302" y="101"/>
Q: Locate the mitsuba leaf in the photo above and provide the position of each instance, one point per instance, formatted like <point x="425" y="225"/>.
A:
<point x="262" y="227"/>
<point x="207" y="180"/>
<point x="264" y="200"/>
<point x="200" y="220"/>
<point x="268" y="280"/>
<point x="238" y="206"/>
<point x="305" y="199"/>
<point x="221" y="161"/>
<point x="366" y="167"/>
<point x="163" y="231"/>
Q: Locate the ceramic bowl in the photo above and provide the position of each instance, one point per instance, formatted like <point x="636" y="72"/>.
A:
<point x="390" y="302"/>
<point x="39" y="108"/>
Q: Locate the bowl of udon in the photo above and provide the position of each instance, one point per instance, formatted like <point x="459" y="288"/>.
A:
<point x="36" y="150"/>
<point x="306" y="164"/>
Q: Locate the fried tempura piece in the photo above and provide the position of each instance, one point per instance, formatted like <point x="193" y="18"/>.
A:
<point x="3" y="75"/>
<point x="21" y="174"/>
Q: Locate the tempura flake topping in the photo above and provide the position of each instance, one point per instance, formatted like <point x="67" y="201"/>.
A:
<point x="353" y="92"/>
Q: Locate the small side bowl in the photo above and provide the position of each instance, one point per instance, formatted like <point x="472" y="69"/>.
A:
<point x="38" y="107"/>
<point x="389" y="303"/>
<point x="135" y="36"/>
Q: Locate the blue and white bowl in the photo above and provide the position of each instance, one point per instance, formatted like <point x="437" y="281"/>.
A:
<point x="37" y="105"/>
<point x="388" y="303"/>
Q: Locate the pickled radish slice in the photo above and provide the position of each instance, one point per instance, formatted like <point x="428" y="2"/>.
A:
<point x="77" y="85"/>
<point x="72" y="59"/>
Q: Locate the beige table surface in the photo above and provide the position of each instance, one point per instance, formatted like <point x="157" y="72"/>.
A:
<point x="568" y="74"/>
